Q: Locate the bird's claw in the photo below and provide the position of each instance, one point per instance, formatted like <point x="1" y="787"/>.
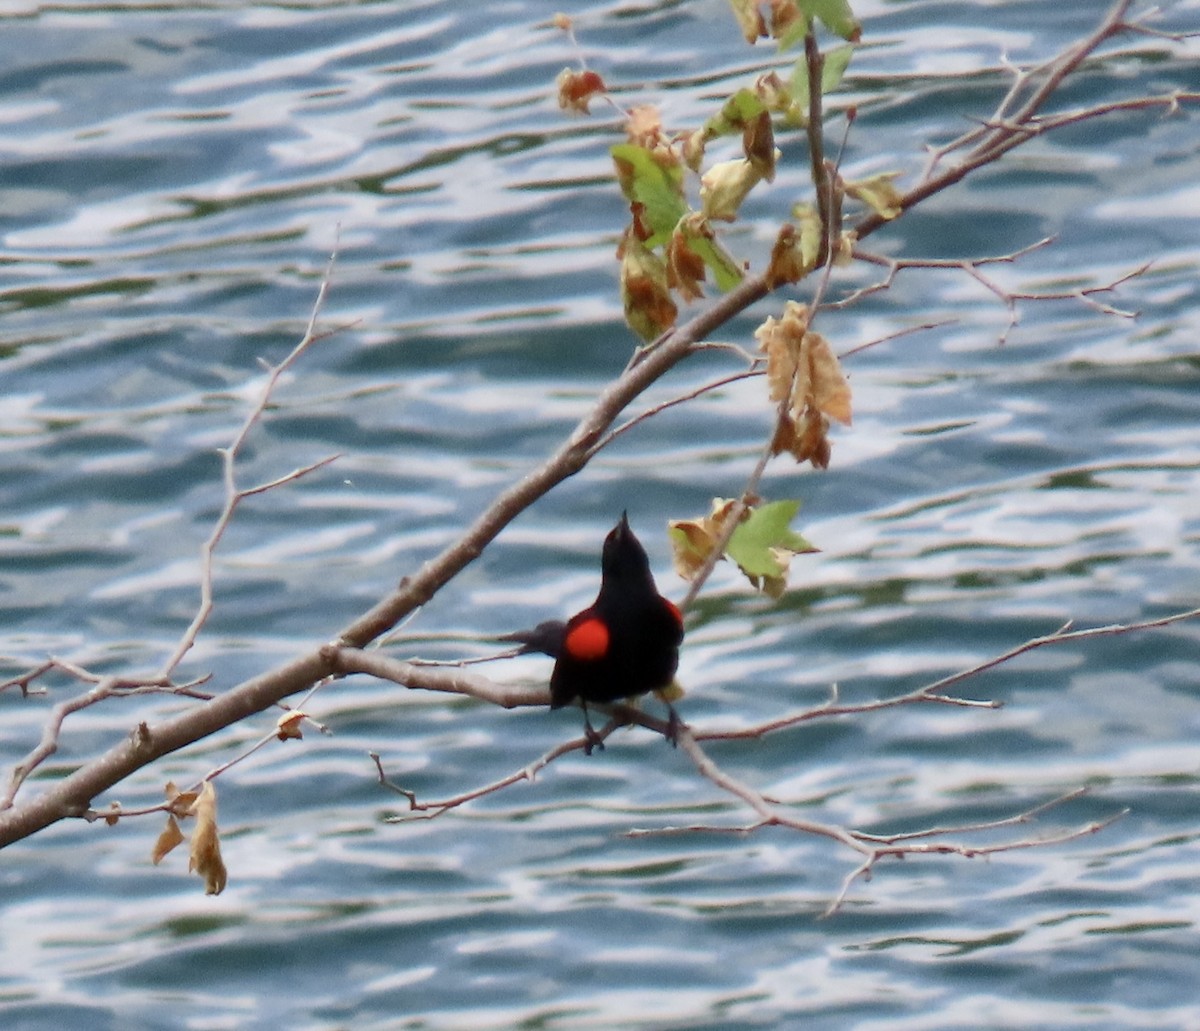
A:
<point x="673" y="725"/>
<point x="593" y="740"/>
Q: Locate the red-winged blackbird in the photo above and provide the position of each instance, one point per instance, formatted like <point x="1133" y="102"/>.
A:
<point x="624" y="644"/>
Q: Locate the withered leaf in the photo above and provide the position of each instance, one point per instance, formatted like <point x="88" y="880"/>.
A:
<point x="179" y="803"/>
<point x="805" y="437"/>
<point x="787" y="263"/>
<point x="785" y="18"/>
<point x="758" y="144"/>
<point x="167" y="840"/>
<point x="205" y="857"/>
<point x="644" y="127"/>
<point x="685" y="268"/>
<point x="821" y="384"/>
<point x="762" y="544"/>
<point x="803" y="375"/>
<point x="649" y="309"/>
<point x="749" y="19"/>
<point x="724" y="186"/>
<point x="814" y="440"/>
<point x="780" y="340"/>
<point x="287" y="727"/>
<point x="577" y="88"/>
<point x="879" y="193"/>
<point x="693" y="540"/>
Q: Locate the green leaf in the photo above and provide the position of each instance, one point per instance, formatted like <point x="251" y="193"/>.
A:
<point x="656" y="185"/>
<point x="764" y="541"/>
<point x="835" y="15"/>
<point x="795" y="34"/>
<point x="727" y="273"/>
<point x="809" y="221"/>
<point x="834" y="67"/>
<point x="738" y="111"/>
<point x="832" y="70"/>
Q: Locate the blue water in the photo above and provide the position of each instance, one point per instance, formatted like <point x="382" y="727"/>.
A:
<point x="173" y="179"/>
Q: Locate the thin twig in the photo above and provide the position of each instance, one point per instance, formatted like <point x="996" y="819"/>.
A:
<point x="972" y="267"/>
<point x="233" y="495"/>
<point x="658" y="409"/>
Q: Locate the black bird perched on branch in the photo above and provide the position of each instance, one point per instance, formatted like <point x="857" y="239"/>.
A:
<point x="624" y="644"/>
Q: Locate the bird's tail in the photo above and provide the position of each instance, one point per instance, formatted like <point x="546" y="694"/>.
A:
<point x="546" y="638"/>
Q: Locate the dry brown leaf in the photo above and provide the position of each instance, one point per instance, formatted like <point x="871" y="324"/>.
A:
<point x="206" y="842"/>
<point x="576" y="89"/>
<point x="638" y="224"/>
<point x="685" y="268"/>
<point x="802" y="368"/>
<point x="644" y="127"/>
<point x="758" y="144"/>
<point x="749" y="18"/>
<point x="287" y="727"/>
<point x="692" y="540"/>
<point x="806" y="439"/>
<point x="167" y="840"/>
<point x="179" y="803"/>
<point x="813" y="440"/>
<point x="788" y="264"/>
<point x="779" y="340"/>
<point x="649" y="309"/>
<point x="784" y="14"/>
<point x="824" y="387"/>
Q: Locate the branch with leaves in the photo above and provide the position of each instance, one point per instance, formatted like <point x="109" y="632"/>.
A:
<point x="669" y="251"/>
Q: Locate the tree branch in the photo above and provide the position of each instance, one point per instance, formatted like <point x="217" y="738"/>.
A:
<point x="72" y="796"/>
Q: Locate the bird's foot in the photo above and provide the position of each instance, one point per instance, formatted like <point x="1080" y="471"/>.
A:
<point x="673" y="725"/>
<point x="593" y="741"/>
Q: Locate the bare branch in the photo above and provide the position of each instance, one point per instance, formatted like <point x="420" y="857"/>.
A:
<point x="970" y="828"/>
<point x="899" y="851"/>
<point x="822" y="180"/>
<point x="972" y="267"/>
<point x="907" y="331"/>
<point x="48" y="744"/>
<point x="935" y="692"/>
<point x="691" y="395"/>
<point x="450" y="680"/>
<point x="431" y="810"/>
<point x="233" y="495"/>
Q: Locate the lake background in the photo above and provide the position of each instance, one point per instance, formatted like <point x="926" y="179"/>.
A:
<point x="173" y="179"/>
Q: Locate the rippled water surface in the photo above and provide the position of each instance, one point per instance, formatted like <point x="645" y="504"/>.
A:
<point x="172" y="180"/>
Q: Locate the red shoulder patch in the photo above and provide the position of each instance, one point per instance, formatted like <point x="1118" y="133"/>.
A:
<point x="674" y="610"/>
<point x="587" y="641"/>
